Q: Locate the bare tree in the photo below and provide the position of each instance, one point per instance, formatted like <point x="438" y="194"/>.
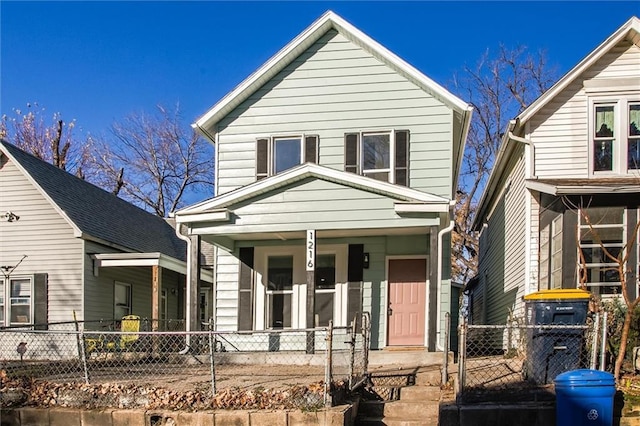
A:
<point x="52" y="141"/>
<point x="622" y="269"/>
<point x="499" y="88"/>
<point x="154" y="162"/>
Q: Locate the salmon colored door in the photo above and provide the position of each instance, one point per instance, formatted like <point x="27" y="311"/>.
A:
<point x="407" y="301"/>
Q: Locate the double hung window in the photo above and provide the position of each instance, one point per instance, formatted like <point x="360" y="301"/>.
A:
<point x="277" y="154"/>
<point x="325" y="276"/>
<point x="381" y="155"/>
<point x="121" y="300"/>
<point x="279" y="291"/>
<point x="16" y="302"/>
<point x="615" y="135"/>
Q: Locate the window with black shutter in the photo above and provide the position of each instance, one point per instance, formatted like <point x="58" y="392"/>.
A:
<point x="380" y="155"/>
<point x="245" y="291"/>
<point x="280" y="153"/>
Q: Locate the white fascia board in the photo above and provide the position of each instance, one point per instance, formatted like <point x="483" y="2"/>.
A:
<point x="494" y="177"/>
<point x="541" y="187"/>
<point x="107" y="260"/>
<point x="305" y="39"/>
<point x="421" y="208"/>
<point x="311" y="170"/>
<point x="215" y="216"/>
<point x="632" y="24"/>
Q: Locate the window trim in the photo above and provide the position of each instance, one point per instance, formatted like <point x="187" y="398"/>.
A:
<point x="270" y="150"/>
<point x="393" y="168"/>
<point x="622" y="245"/>
<point x="620" y="148"/>
<point x="6" y="307"/>
<point x="130" y="297"/>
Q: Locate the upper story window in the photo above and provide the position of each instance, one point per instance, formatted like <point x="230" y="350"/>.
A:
<point x="381" y="155"/>
<point x="615" y="134"/>
<point x="279" y="153"/>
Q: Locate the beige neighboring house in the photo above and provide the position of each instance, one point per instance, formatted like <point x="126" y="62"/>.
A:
<point x="68" y="246"/>
<point x="577" y="145"/>
<point x="339" y="159"/>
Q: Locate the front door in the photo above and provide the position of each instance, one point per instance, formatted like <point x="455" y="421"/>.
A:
<point x="407" y="301"/>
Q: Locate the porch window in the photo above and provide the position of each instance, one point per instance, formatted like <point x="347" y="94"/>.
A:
<point x="277" y="154"/>
<point x="608" y="232"/>
<point x="121" y="300"/>
<point x="279" y="291"/>
<point x="556" y="252"/>
<point x="382" y="155"/>
<point x="325" y="282"/>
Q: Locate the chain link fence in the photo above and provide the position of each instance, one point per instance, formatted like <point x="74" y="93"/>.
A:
<point x="94" y="365"/>
<point x="516" y="356"/>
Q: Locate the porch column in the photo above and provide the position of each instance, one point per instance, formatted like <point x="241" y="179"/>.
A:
<point x="156" y="291"/>
<point x="311" y="288"/>
<point x="193" y="287"/>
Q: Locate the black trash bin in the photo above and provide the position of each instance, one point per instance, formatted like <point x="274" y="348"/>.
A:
<point x="550" y="351"/>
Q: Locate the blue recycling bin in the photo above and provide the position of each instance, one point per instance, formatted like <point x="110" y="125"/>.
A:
<point x="585" y="398"/>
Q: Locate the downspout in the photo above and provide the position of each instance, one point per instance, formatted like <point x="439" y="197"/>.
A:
<point x="441" y="233"/>
<point x="187" y="311"/>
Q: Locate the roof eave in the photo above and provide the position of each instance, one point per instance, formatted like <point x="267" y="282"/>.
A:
<point x="633" y="24"/>
<point x="300" y="43"/>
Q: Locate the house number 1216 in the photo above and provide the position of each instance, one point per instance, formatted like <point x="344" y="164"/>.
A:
<point x="311" y="251"/>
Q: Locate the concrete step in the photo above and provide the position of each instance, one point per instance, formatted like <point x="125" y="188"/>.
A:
<point x="420" y="393"/>
<point x="428" y="377"/>
<point x="388" y="421"/>
<point x="398" y="409"/>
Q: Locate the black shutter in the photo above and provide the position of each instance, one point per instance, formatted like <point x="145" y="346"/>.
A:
<point x="245" y="291"/>
<point x="402" y="158"/>
<point x="40" y="301"/>
<point x="351" y="152"/>
<point x="355" y="276"/>
<point x="311" y="149"/>
<point x="356" y="262"/>
<point x="262" y="158"/>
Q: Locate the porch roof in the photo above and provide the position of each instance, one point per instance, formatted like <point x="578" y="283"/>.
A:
<point x="332" y="202"/>
<point x="621" y="185"/>
<point x="111" y="260"/>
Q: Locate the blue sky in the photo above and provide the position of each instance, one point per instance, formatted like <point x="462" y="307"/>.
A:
<point x="99" y="61"/>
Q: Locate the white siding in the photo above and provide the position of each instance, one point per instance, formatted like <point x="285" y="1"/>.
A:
<point x="333" y="88"/>
<point x="502" y="266"/>
<point x="560" y="130"/>
<point x="45" y="237"/>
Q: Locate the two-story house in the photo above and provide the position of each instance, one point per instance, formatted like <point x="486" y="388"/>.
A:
<point x="572" y="155"/>
<point x="336" y="168"/>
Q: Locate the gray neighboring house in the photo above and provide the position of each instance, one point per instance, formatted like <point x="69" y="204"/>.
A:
<point x="338" y="143"/>
<point x="86" y="250"/>
<point x="577" y="145"/>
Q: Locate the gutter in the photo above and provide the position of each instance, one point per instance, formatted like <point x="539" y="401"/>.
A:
<point x="187" y="313"/>
<point x="441" y="233"/>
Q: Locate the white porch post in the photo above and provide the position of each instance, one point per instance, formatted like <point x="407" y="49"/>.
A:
<point x="311" y="288"/>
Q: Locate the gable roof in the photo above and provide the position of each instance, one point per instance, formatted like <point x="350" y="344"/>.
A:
<point x="630" y="31"/>
<point x="303" y="41"/>
<point x="95" y="213"/>
<point x="403" y="195"/>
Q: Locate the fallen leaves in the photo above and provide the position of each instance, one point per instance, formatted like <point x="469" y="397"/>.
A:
<point x="17" y="391"/>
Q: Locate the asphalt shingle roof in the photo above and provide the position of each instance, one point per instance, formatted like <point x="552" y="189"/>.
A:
<point x="99" y="213"/>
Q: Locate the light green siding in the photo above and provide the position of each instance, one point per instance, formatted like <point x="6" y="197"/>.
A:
<point x="333" y="88"/>
<point x="317" y="204"/>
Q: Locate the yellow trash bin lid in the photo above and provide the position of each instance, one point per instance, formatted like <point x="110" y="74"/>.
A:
<point x="558" y="294"/>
